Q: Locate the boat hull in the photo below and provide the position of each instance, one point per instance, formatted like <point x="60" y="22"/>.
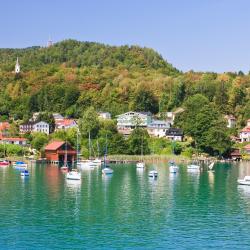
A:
<point x="107" y="171"/>
<point x="243" y="182"/>
<point x="140" y="165"/>
<point x="73" y="176"/>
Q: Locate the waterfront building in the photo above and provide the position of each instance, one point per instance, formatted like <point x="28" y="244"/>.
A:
<point x="65" y="124"/>
<point x="60" y="151"/>
<point x="130" y="120"/>
<point x="158" y="128"/>
<point x="104" y="115"/>
<point x="175" y="134"/>
<point x="41" y="126"/>
<point x="14" y="140"/>
<point x="231" y="121"/>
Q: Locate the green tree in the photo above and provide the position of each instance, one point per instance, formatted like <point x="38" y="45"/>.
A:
<point x="89" y="123"/>
<point x="138" y="141"/>
<point x="39" y="140"/>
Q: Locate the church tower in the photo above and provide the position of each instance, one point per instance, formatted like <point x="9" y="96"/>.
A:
<point x="17" y="67"/>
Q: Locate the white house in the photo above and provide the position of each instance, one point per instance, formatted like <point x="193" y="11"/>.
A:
<point x="14" y="140"/>
<point x="231" y="121"/>
<point x="104" y="115"/>
<point x="245" y="133"/>
<point x="41" y="126"/>
<point x="65" y="124"/>
<point x="158" y="128"/>
<point x="130" y="120"/>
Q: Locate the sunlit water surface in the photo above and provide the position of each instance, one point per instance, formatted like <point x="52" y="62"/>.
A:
<point x="127" y="210"/>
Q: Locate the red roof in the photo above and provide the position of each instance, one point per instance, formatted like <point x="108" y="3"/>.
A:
<point x="246" y="129"/>
<point x="65" y="122"/>
<point x="54" y="145"/>
<point x="14" y="139"/>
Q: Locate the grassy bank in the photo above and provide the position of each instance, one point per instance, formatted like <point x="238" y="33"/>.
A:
<point x="151" y="158"/>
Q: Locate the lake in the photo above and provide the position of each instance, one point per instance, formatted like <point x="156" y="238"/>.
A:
<point x="127" y="210"/>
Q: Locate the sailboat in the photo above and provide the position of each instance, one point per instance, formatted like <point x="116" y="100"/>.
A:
<point x="173" y="168"/>
<point x="211" y="166"/>
<point x="106" y="170"/>
<point x="87" y="164"/>
<point x="141" y="163"/>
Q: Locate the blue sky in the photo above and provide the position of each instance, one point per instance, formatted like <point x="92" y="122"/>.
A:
<point x="203" y="35"/>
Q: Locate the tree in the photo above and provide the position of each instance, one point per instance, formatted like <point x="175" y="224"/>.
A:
<point x="89" y="123"/>
<point x="39" y="140"/>
<point x="145" y="101"/>
<point x="138" y="141"/>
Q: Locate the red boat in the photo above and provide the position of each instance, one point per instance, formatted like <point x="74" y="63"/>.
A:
<point x="4" y="163"/>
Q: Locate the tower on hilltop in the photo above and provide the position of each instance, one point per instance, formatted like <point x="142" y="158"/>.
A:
<point x="17" y="67"/>
<point x="50" y="42"/>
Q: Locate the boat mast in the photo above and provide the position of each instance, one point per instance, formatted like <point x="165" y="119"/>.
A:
<point x="89" y="146"/>
<point x="66" y="156"/>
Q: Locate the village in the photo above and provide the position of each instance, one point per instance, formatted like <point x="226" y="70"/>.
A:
<point x="125" y="124"/>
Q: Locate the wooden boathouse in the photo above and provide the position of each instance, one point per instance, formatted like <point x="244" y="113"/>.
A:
<point x="60" y="152"/>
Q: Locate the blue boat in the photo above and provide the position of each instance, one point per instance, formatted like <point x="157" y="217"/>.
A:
<point x="20" y="165"/>
<point x="25" y="173"/>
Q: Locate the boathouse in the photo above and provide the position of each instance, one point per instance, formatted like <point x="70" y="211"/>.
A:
<point x="59" y="152"/>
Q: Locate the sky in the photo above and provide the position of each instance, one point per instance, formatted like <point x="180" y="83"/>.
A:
<point x="199" y="35"/>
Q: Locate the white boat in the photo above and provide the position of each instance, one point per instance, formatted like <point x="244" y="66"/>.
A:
<point x="173" y="169"/>
<point x="73" y="175"/>
<point x="86" y="164"/>
<point x="211" y="166"/>
<point x="140" y="164"/>
<point x="97" y="162"/>
<point x="107" y="170"/>
<point x="245" y="181"/>
<point x="193" y="167"/>
<point x="25" y="173"/>
<point x="153" y="174"/>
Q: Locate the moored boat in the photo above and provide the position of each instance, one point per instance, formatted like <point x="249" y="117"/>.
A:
<point x="193" y="167"/>
<point x="25" y="173"/>
<point x="173" y="168"/>
<point x="73" y="175"/>
<point x="140" y="164"/>
<point x="153" y="174"/>
<point x="107" y="170"/>
<point x="4" y="163"/>
<point x="245" y="181"/>
<point x="20" y="165"/>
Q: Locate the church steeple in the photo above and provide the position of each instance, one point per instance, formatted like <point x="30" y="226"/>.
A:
<point x="17" y="67"/>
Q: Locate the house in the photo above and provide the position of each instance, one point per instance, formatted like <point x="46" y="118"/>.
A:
<point x="130" y="120"/>
<point x="174" y="134"/>
<point x="4" y="129"/>
<point x="41" y="126"/>
<point x="65" y="124"/>
<point x="158" y="128"/>
<point x="231" y="121"/>
<point x="104" y="115"/>
<point x="14" y="140"/>
<point x="57" y="117"/>
<point x="60" y="151"/>
<point x="245" y="134"/>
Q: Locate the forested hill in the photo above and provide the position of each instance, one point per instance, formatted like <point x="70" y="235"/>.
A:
<point x="79" y="54"/>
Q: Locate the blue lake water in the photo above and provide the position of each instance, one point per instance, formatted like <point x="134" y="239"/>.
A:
<point x="125" y="211"/>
